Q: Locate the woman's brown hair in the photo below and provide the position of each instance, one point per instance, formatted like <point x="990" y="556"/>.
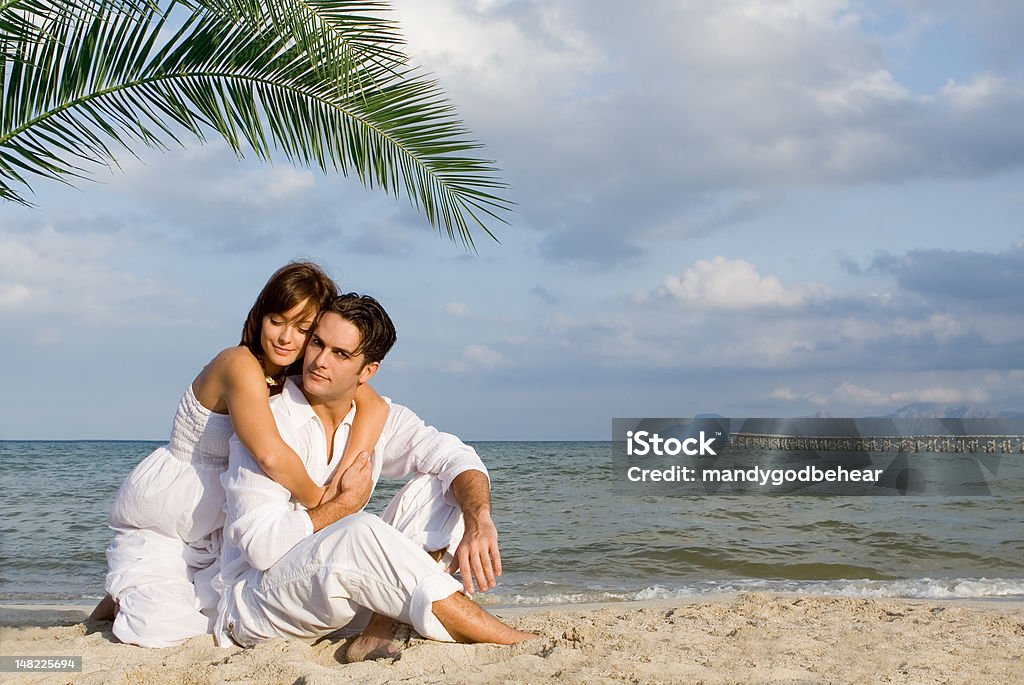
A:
<point x="292" y="284"/>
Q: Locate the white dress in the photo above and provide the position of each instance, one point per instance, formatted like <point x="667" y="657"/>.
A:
<point x="167" y="519"/>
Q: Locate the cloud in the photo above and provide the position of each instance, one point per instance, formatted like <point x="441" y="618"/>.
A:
<point x="936" y="326"/>
<point x="381" y="236"/>
<point x="851" y="395"/>
<point x="205" y="199"/>
<point x="545" y="295"/>
<point x="477" y="357"/>
<point x="784" y="394"/>
<point x="980" y="92"/>
<point x="993" y="27"/>
<point x="457" y="309"/>
<point x="284" y="182"/>
<point x="734" y="284"/>
<point x="962" y="275"/>
<point x="728" y="314"/>
<point x="750" y="100"/>
<point x="49" y="275"/>
<point x="675" y="121"/>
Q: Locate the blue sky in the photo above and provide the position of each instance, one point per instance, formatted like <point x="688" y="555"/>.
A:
<point x="750" y="208"/>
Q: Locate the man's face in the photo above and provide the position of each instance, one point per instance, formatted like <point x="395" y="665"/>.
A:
<point x="330" y="370"/>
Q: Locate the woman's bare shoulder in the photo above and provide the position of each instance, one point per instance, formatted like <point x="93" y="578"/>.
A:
<point x="231" y="364"/>
<point x="232" y="368"/>
<point x="234" y="362"/>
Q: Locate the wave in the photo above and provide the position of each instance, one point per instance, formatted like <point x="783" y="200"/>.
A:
<point x="921" y="588"/>
<point x="548" y="593"/>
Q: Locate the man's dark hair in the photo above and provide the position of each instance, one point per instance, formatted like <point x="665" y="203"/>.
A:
<point x="376" y="331"/>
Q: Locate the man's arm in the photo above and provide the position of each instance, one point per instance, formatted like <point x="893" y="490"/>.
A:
<point x="408" y="445"/>
<point x="477" y="554"/>
<point x="346" y="494"/>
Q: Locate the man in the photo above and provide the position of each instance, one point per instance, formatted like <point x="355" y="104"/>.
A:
<point x="291" y="572"/>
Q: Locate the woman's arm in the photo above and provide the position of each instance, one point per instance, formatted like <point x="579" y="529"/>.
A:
<point x="248" y="402"/>
<point x="371" y="413"/>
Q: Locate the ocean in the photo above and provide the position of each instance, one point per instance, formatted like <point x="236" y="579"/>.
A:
<point x="568" y="535"/>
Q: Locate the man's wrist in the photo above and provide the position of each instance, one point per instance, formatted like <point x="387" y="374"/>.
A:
<point x="333" y="510"/>
<point x="478" y="517"/>
<point x="320" y="497"/>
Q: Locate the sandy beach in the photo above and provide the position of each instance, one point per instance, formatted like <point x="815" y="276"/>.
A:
<point x="775" y="638"/>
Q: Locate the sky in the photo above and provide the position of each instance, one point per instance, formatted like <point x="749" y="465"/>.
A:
<point x="752" y="208"/>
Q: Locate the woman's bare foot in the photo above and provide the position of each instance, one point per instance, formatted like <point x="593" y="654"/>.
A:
<point x="382" y="639"/>
<point x="106" y="610"/>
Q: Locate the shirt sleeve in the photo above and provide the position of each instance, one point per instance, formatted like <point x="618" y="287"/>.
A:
<point x="262" y="522"/>
<point x="408" y="445"/>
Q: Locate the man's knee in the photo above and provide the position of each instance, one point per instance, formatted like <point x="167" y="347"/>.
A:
<point x="421" y="512"/>
<point x="415" y="501"/>
<point x="356" y="531"/>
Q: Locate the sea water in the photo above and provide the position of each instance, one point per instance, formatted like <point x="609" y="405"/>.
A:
<point x="567" y="534"/>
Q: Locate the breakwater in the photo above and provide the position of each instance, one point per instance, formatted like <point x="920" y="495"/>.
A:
<point x="952" y="444"/>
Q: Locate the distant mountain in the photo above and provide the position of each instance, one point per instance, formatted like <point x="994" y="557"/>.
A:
<point x="933" y="410"/>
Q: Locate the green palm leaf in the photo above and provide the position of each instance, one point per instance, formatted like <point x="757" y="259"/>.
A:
<point x="28" y="20"/>
<point x="337" y="98"/>
<point x="346" y="41"/>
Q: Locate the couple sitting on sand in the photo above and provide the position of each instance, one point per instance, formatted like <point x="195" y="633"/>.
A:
<point x="249" y="523"/>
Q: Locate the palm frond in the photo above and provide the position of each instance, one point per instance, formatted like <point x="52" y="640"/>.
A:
<point x="112" y="79"/>
<point x="346" y="40"/>
<point x="27" y="20"/>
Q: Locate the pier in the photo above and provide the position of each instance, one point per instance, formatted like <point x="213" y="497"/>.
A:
<point x="952" y="444"/>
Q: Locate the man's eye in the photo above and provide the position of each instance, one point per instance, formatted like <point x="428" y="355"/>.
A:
<point x="343" y="355"/>
<point x="304" y="331"/>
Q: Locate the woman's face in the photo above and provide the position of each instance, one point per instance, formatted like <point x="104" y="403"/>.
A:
<point x="283" y="336"/>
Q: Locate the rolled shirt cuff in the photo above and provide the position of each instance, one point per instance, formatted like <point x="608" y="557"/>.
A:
<point x="421" y="611"/>
<point x="450" y="474"/>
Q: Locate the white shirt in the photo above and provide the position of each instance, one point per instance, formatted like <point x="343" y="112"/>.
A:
<point x="264" y="522"/>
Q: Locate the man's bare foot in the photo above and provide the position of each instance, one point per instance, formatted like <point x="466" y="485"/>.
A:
<point x="106" y="610"/>
<point x="522" y="636"/>
<point x="383" y="638"/>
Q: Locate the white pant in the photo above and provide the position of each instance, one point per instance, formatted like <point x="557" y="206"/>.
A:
<point x="363" y="563"/>
<point x="167" y="520"/>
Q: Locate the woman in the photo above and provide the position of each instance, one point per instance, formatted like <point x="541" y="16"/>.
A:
<point x="168" y="513"/>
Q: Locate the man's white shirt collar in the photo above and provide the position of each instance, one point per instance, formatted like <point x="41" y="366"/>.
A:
<point x="298" y="407"/>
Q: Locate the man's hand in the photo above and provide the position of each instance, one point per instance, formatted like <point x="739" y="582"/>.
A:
<point x="346" y="493"/>
<point x="357" y="480"/>
<point x="477" y="555"/>
<point x="334" y="486"/>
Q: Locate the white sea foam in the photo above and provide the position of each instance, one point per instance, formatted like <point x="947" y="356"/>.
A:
<point x="938" y="588"/>
<point x="922" y="588"/>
